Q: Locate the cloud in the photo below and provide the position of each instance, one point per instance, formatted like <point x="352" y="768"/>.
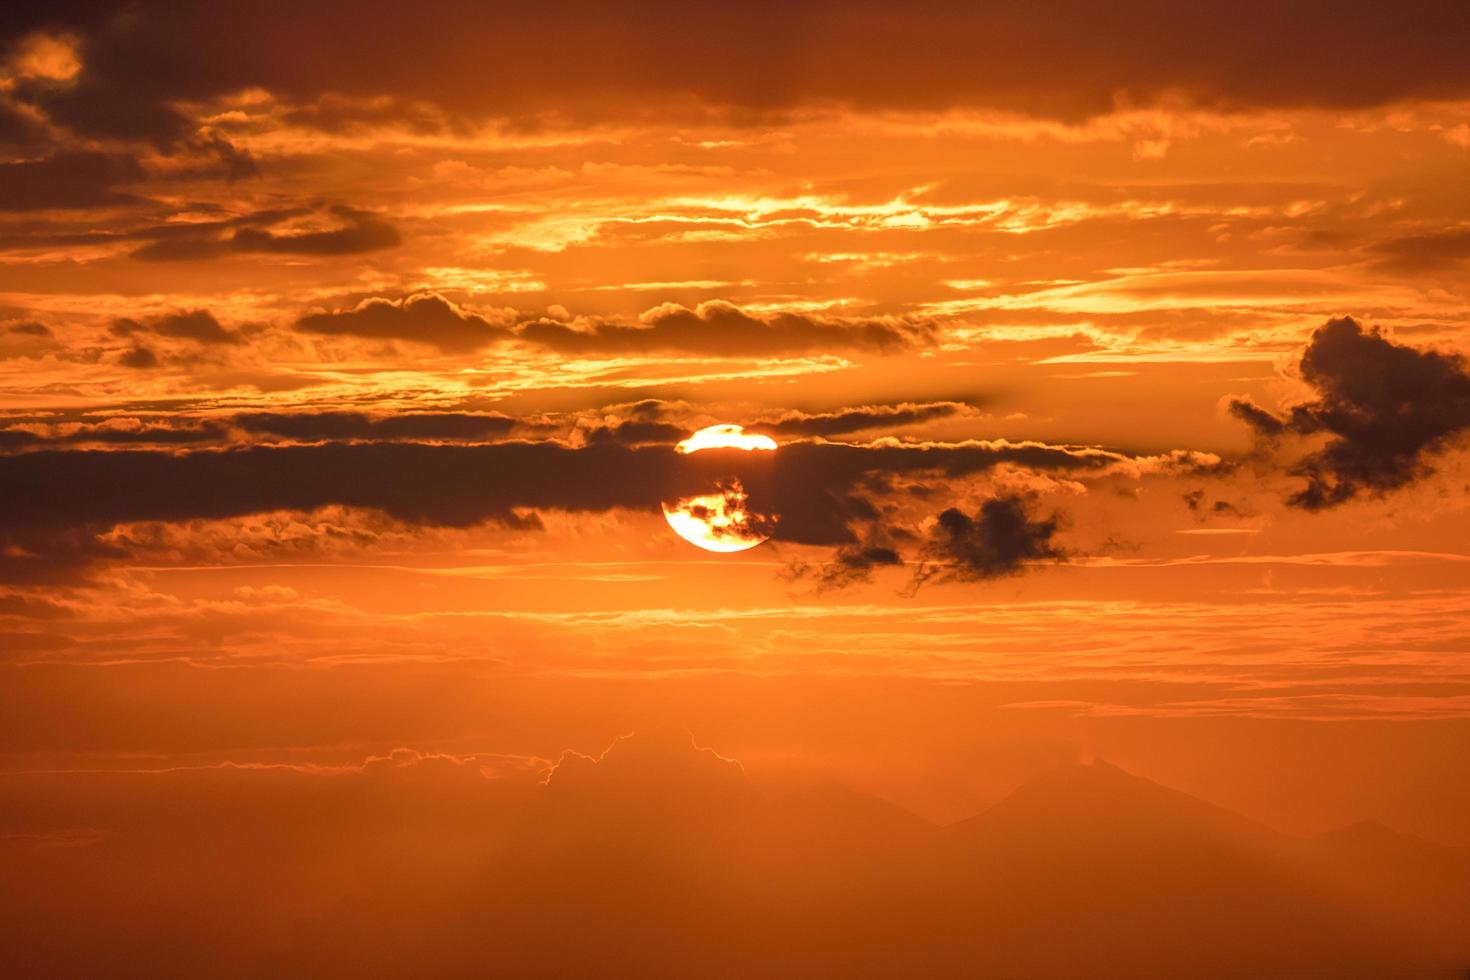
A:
<point x="721" y="329"/>
<point x="311" y="426"/>
<point x="362" y="232"/>
<point x="850" y="565"/>
<point x="426" y="318"/>
<point x="196" y="325"/>
<point x="68" y="181"/>
<point x="998" y="540"/>
<point x="850" y="420"/>
<point x="635" y="433"/>
<point x="714" y="329"/>
<point x="820" y="490"/>
<point x="26" y="338"/>
<point x="141" y="358"/>
<point x="359" y="232"/>
<point x="659" y="769"/>
<point x="135" y="68"/>
<point x="1417" y="253"/>
<point x="1381" y="407"/>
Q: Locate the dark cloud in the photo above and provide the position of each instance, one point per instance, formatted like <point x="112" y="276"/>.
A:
<point x="998" y="540"/>
<point x="425" y="318"/>
<point x="1416" y="253"/>
<point x="142" y="358"/>
<point x="310" y="426"/>
<point x="722" y="329"/>
<point x="635" y="433"/>
<point x="196" y="325"/>
<point x="360" y="232"/>
<point x="26" y="329"/>
<point x="858" y="419"/>
<point x="141" y="58"/>
<point x="850" y="565"/>
<point x="1263" y="422"/>
<point x="819" y="489"/>
<point x="26" y="338"/>
<point x="1381" y="407"/>
<point x="68" y="181"/>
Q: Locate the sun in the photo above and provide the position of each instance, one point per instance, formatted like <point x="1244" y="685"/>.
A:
<point x="724" y="520"/>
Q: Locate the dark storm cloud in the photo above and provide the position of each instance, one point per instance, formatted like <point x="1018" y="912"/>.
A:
<point x="425" y="318"/>
<point x="998" y="540"/>
<point x="849" y="420"/>
<point x="1382" y="408"/>
<point x="1068" y="60"/>
<point x="196" y="325"/>
<point x="68" y="181"/>
<point x="722" y="329"/>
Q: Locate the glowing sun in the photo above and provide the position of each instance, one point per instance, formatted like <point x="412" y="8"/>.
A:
<point x="723" y="520"/>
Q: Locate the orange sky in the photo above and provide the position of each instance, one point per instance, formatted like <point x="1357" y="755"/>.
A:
<point x="342" y="360"/>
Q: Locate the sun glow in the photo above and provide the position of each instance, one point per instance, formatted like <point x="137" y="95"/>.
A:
<point x="725" y="437"/>
<point x="722" y="521"/>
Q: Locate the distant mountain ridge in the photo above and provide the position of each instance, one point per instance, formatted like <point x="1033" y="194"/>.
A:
<point x="1086" y="870"/>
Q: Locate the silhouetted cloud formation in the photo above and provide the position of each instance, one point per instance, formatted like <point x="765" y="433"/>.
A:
<point x="198" y="325"/>
<point x="849" y="420"/>
<point x="423" y="317"/>
<point x="722" y="329"/>
<point x="357" y="232"/>
<point x="818" y="489"/>
<point x="1382" y="407"/>
<point x="998" y="540"/>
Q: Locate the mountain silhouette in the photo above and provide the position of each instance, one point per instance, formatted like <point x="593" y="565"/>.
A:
<point x="659" y="858"/>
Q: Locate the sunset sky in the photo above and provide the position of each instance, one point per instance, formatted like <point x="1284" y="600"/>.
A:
<point x="1112" y="351"/>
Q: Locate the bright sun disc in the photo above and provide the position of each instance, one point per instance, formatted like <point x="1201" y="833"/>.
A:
<point x="721" y="521"/>
<point x="724" y="437"/>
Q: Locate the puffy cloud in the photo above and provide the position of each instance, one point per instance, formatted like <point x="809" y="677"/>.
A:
<point x="658" y="769"/>
<point x="1383" y="408"/>
<point x="721" y="329"/>
<point x="426" y="318"/>
<point x="998" y="540"/>
<point x="141" y="358"/>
